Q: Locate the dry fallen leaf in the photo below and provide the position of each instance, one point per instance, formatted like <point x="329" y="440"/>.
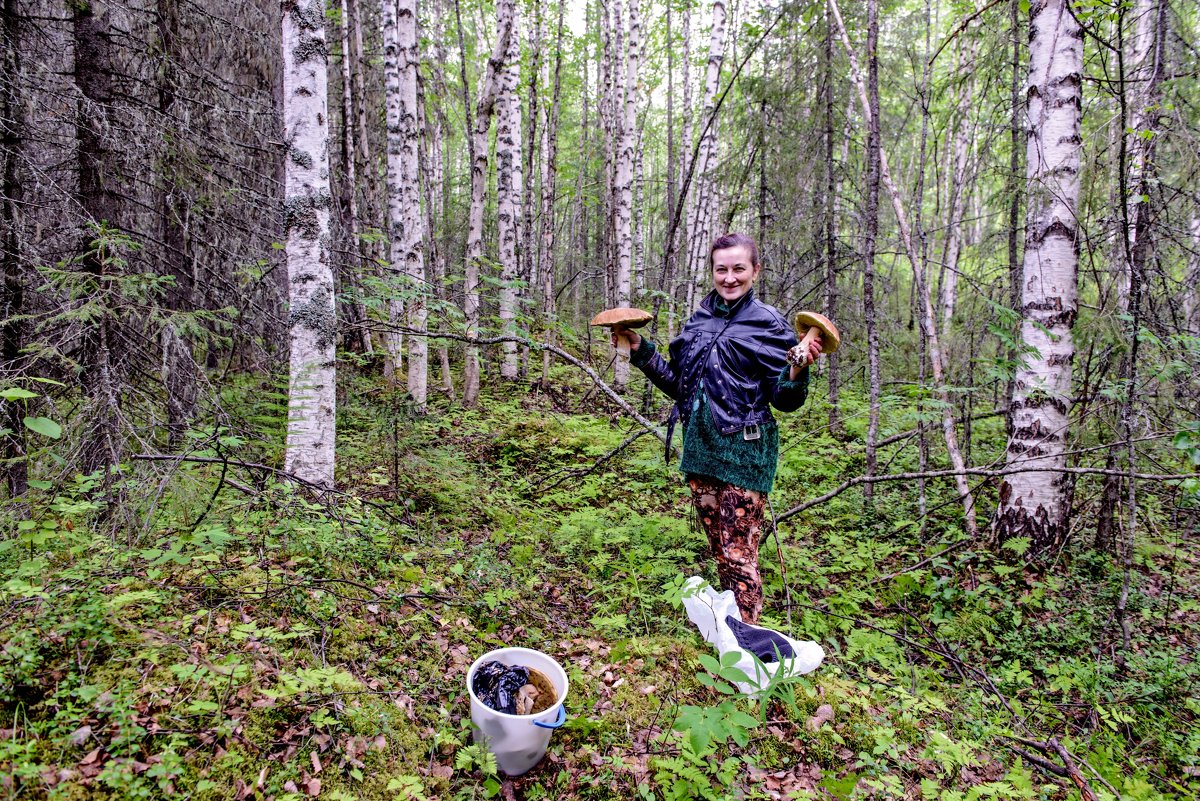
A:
<point x="313" y="787"/>
<point x="824" y="715"/>
<point x="81" y="735"/>
<point x="316" y="761"/>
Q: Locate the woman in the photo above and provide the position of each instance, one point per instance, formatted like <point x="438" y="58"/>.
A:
<point x="728" y="366"/>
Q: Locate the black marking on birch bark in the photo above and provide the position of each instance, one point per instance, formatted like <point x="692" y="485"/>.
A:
<point x="1056" y="228"/>
<point x="308" y="18"/>
<point x="1040" y="401"/>
<point x="300" y="158"/>
<point x="1021" y="449"/>
<point x="1060" y="359"/>
<point x="310" y="48"/>
<point x="1045" y="537"/>
<point x="317" y="315"/>
<point x="300" y="213"/>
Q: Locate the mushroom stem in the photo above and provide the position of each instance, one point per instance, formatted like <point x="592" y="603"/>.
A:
<point x="812" y="334"/>
<point x="622" y="341"/>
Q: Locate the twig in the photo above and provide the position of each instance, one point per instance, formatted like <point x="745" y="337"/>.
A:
<point x="962" y="26"/>
<point x="1085" y="790"/>
<point x="918" y="565"/>
<point x="1044" y="764"/>
<point x="316" y="488"/>
<point x="580" y="472"/>
<point x="977" y="471"/>
<point x="537" y="346"/>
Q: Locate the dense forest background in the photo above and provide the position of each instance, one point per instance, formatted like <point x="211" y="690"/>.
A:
<point x="299" y="395"/>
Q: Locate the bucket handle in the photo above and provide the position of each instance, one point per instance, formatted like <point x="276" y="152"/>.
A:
<point x="559" y="721"/>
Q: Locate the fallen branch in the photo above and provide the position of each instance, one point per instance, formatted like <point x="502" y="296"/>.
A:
<point x="317" y="489"/>
<point x="1085" y="790"/>
<point x="538" y="346"/>
<point x="977" y="471"/>
<point x="580" y="472"/>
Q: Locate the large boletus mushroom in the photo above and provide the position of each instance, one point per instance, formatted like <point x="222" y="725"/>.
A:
<point x="622" y="318"/>
<point x="814" y="325"/>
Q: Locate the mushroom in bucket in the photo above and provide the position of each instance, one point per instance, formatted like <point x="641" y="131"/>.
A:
<point x="814" y="325"/>
<point x="622" y="319"/>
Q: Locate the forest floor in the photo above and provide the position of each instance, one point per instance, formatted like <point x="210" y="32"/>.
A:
<point x="205" y="632"/>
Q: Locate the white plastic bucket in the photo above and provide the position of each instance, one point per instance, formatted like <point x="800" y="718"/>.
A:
<point x="518" y="741"/>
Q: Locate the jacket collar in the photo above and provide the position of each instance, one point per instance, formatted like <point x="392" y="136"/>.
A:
<point x="712" y="299"/>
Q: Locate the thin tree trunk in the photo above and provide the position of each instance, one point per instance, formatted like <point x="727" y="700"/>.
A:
<point x="435" y="133"/>
<point x="1030" y="505"/>
<point x="529" y="248"/>
<point x="1015" y="131"/>
<point x="928" y="321"/>
<point x="12" y="299"/>
<point x="412" y="234"/>
<point x="350" y="190"/>
<point x="312" y="319"/>
<point x="509" y="188"/>
<point x="393" y="340"/>
<point x="549" y="179"/>
<point x="100" y="200"/>
<point x="1191" y="288"/>
<point x="700" y="209"/>
<point x="478" y="133"/>
<point x="958" y="188"/>
<point x="831" y="192"/>
<point x="624" y="173"/>
<point x="871" y="225"/>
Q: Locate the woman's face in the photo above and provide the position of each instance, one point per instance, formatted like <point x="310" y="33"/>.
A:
<point x="733" y="274"/>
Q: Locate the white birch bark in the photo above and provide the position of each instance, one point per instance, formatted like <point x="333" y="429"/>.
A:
<point x="393" y="341"/>
<point x="700" y="200"/>
<point x="958" y="188"/>
<point x="1034" y="504"/>
<point x="412" y="223"/>
<point x="351" y="158"/>
<point x="509" y="188"/>
<point x="686" y="133"/>
<point x="1145" y="75"/>
<point x="312" y="321"/>
<point x="1191" y="287"/>
<point x="505" y="12"/>
<point x="549" y="179"/>
<point x="434" y="132"/>
<point x="624" y="176"/>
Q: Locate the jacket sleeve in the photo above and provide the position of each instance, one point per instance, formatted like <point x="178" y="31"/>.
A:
<point x="785" y="395"/>
<point x="660" y="372"/>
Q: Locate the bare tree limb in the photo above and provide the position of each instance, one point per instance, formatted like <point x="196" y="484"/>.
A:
<point x="976" y="471"/>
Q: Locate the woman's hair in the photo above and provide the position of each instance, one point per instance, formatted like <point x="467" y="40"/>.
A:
<point x="734" y="240"/>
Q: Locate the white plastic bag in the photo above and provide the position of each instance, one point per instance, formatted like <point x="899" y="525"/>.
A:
<point x="707" y="609"/>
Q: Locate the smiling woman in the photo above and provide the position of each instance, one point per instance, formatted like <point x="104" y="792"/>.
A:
<point x="727" y="368"/>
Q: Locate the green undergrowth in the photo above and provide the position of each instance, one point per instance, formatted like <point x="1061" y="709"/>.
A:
<point x="203" y="632"/>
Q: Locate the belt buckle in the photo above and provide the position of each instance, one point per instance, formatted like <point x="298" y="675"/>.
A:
<point x="751" y="432"/>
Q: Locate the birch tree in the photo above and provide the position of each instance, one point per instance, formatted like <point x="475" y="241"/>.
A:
<point x="394" y="110"/>
<point x="549" y="180"/>
<point x="478" y="154"/>
<point x="1033" y="504"/>
<point x="700" y="199"/>
<point x="509" y="190"/>
<point x="312" y="324"/>
<point x="412" y="223"/>
<point x="624" y="175"/>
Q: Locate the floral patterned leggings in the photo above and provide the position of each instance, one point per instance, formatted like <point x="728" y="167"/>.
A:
<point x="733" y="518"/>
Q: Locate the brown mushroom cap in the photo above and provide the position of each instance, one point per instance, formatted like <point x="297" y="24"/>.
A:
<point x="831" y="340"/>
<point x="622" y="317"/>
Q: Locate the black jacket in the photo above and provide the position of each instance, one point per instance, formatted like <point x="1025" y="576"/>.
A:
<point x="739" y="357"/>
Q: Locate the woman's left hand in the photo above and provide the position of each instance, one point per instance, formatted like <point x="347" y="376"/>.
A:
<point x="814" y="350"/>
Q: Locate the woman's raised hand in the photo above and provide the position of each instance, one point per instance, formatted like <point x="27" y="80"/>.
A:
<point x="814" y="350"/>
<point x="632" y="337"/>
